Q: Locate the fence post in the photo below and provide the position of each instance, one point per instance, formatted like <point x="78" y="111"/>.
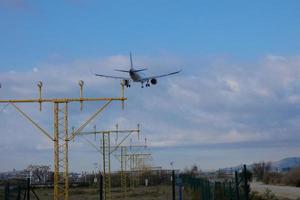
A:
<point x="6" y="191"/>
<point x="237" y="190"/>
<point x="19" y="193"/>
<point x="28" y="189"/>
<point x="246" y="186"/>
<point x="173" y="184"/>
<point x="230" y="191"/>
<point x="100" y="186"/>
<point x="207" y="190"/>
<point x="180" y="191"/>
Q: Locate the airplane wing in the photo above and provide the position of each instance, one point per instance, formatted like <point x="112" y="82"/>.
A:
<point x="115" y="77"/>
<point x="162" y="75"/>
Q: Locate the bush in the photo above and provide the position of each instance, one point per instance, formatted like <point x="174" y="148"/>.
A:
<point x="292" y="177"/>
<point x="272" y="178"/>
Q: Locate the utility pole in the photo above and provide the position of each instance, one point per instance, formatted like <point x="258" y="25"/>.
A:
<point x="60" y="136"/>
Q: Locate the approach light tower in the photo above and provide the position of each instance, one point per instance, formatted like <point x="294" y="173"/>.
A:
<point x="123" y="158"/>
<point x="135" y="167"/>
<point x="106" y="150"/>
<point x="60" y="136"/>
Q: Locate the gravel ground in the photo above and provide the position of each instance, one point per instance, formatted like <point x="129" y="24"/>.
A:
<point x="280" y="191"/>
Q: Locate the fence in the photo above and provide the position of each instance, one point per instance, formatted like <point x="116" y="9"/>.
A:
<point x="235" y="187"/>
<point x="18" y="190"/>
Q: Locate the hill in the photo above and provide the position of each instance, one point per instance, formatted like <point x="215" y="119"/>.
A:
<point x="282" y="165"/>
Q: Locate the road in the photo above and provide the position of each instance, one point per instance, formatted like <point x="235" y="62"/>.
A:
<point x="280" y="191"/>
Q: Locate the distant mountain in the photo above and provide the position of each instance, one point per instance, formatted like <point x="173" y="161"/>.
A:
<point x="286" y="164"/>
<point x="282" y="165"/>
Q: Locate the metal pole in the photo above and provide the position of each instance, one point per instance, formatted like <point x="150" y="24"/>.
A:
<point x="103" y="157"/>
<point x="230" y="191"/>
<point x="122" y="89"/>
<point x="123" y="171"/>
<point x="237" y="186"/>
<point x="56" y="153"/>
<point x="19" y="193"/>
<point x="246" y="189"/>
<point x="28" y="189"/>
<point x="180" y="191"/>
<point x="66" y="161"/>
<point x="173" y="184"/>
<point x="100" y="186"/>
<point x="40" y="85"/>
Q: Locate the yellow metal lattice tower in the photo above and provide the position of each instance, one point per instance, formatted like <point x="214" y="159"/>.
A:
<point x="60" y="136"/>
<point x="106" y="150"/>
<point x="125" y="156"/>
<point x="106" y="165"/>
<point x="61" y="140"/>
<point x="123" y="171"/>
<point x="135" y="168"/>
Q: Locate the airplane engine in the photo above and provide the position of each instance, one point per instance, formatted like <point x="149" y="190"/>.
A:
<point x="126" y="83"/>
<point x="153" y="81"/>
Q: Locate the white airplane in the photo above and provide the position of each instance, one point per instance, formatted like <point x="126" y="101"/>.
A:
<point x="137" y="76"/>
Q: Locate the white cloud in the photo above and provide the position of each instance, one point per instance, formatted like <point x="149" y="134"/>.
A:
<point x="232" y="85"/>
<point x="226" y="104"/>
<point x="35" y="69"/>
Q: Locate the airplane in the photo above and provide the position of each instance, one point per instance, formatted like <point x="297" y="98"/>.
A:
<point x="135" y="75"/>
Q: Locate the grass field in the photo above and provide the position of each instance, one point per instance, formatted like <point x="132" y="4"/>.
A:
<point x="145" y="193"/>
<point x="161" y="192"/>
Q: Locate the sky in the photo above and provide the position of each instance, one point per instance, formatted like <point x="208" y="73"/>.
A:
<point x="236" y="101"/>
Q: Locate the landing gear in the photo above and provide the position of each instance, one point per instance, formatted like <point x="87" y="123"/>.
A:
<point x="147" y="84"/>
<point x="126" y="83"/>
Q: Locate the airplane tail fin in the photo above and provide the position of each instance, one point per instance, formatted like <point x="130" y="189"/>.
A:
<point x="131" y="64"/>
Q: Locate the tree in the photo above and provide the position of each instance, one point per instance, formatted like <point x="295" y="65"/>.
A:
<point x="193" y="171"/>
<point x="261" y="169"/>
<point x="39" y="173"/>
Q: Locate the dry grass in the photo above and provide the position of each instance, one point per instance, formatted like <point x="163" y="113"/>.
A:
<point x="145" y="193"/>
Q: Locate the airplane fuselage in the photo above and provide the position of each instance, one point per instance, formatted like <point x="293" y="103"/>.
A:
<point x="135" y="76"/>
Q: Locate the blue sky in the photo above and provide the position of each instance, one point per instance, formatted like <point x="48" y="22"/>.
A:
<point x="34" y="31"/>
<point x="238" y="92"/>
